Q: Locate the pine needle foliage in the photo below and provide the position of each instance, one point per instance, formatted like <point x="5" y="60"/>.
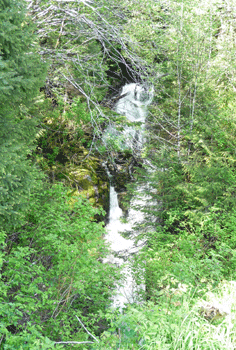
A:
<point x="21" y="75"/>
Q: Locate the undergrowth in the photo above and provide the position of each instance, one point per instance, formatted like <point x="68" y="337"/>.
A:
<point x="181" y="320"/>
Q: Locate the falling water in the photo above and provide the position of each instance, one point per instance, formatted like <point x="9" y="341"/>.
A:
<point x="134" y="106"/>
<point x="122" y="247"/>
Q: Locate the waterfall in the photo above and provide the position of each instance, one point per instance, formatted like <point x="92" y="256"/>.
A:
<point x="133" y="105"/>
<point x="122" y="247"/>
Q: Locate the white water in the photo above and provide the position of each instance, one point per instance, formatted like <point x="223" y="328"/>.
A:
<point x="123" y="247"/>
<point x="134" y="106"/>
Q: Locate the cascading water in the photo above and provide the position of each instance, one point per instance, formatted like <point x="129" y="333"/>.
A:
<point x="134" y="106"/>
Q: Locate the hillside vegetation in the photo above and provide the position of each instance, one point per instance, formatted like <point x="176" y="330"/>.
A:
<point x="62" y="66"/>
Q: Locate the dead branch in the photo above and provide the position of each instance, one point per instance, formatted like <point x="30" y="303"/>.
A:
<point x="86" y="329"/>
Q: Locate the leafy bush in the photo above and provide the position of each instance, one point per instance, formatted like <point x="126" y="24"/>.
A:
<point x="52" y="271"/>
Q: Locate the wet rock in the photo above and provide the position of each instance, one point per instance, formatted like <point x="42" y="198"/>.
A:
<point x="90" y="182"/>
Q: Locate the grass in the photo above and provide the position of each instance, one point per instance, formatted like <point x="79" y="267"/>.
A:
<point x="181" y="320"/>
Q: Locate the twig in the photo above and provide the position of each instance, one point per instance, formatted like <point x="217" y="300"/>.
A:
<point x="79" y="342"/>
<point x="2" y="339"/>
<point x="86" y="329"/>
<point x="60" y="33"/>
<point x="74" y="342"/>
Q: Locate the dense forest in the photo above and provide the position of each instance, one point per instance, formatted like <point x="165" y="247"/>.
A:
<point x="63" y="64"/>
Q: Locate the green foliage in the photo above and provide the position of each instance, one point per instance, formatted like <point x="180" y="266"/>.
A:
<point x="52" y="271"/>
<point x="191" y="210"/>
<point x="17" y="177"/>
<point x="65" y="132"/>
<point x="184" y="318"/>
<point x="191" y="183"/>
<point x="20" y="65"/>
<point x="21" y="74"/>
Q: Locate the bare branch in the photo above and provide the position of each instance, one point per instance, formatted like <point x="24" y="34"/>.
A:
<point x="80" y="342"/>
<point x="86" y="329"/>
<point x="74" y="342"/>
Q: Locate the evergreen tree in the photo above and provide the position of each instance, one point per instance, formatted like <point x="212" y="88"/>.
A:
<point x="21" y="67"/>
<point x="192" y="178"/>
<point x="21" y="74"/>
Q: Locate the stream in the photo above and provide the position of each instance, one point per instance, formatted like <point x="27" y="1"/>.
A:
<point x="134" y="106"/>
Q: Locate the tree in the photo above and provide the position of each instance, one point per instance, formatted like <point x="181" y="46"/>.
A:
<point x="191" y="181"/>
<point x="21" y="66"/>
<point x="21" y="75"/>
